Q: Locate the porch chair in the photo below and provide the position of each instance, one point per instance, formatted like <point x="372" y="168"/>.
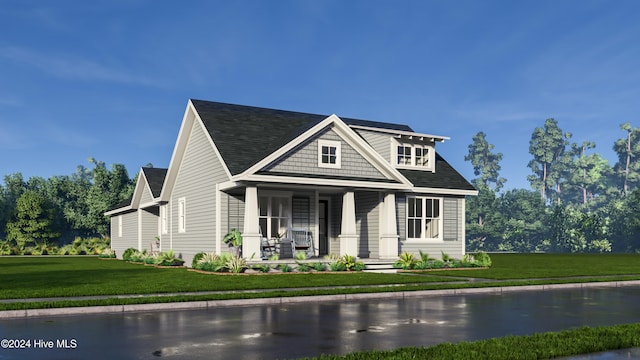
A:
<point x="302" y="240"/>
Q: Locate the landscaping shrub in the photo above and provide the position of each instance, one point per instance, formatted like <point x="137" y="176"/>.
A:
<point x="197" y="257"/>
<point x="126" y="255"/>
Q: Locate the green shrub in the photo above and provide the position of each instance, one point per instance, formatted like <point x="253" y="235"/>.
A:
<point x="337" y="266"/>
<point x="406" y="261"/>
<point x="284" y="267"/>
<point x="126" y="255"/>
<point x="138" y="256"/>
<point x="482" y="258"/>
<point x="303" y="267"/>
<point x="168" y="258"/>
<point x="197" y="258"/>
<point x="318" y="266"/>
<point x="359" y="266"/>
<point x="262" y="268"/>
<point x="107" y="254"/>
<point x="300" y="255"/>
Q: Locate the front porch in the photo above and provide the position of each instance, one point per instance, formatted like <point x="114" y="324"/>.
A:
<point x="339" y="221"/>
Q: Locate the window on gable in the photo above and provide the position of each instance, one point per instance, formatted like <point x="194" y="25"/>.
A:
<point x="329" y="154"/>
<point x="423" y="218"/>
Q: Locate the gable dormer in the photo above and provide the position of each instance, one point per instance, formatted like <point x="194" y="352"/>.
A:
<point x="403" y="148"/>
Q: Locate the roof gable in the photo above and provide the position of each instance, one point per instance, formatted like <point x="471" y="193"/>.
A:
<point x="155" y="179"/>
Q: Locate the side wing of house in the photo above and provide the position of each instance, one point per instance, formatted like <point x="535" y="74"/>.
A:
<point x="135" y="224"/>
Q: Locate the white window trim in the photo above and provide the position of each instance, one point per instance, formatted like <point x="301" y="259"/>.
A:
<point x="182" y="215"/>
<point x="270" y="195"/>
<point x="164" y="224"/>
<point x="440" y="238"/>
<point x="119" y="225"/>
<point x="330" y="143"/>
<point x="412" y="165"/>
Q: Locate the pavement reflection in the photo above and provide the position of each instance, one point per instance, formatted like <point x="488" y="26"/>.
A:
<point x="310" y="329"/>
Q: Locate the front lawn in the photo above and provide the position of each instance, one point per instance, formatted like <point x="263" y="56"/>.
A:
<point x="39" y="277"/>
<point x="536" y="266"/>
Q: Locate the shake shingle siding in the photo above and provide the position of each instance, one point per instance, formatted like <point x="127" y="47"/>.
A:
<point x="304" y="161"/>
<point x="199" y="172"/>
<point x="381" y="143"/>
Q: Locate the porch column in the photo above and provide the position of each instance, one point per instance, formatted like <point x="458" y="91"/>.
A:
<point x="389" y="231"/>
<point x="348" y="236"/>
<point x="251" y="233"/>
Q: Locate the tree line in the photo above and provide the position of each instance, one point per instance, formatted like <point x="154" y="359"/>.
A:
<point x="42" y="212"/>
<point x="577" y="201"/>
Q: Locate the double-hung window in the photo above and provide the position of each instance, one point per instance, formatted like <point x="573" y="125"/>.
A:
<point x="404" y="155"/>
<point x="423" y="218"/>
<point x="329" y="154"/>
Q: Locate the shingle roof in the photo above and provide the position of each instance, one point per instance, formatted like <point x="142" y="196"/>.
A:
<point x="267" y="130"/>
<point x="155" y="179"/>
<point x="233" y="127"/>
<point x="445" y="177"/>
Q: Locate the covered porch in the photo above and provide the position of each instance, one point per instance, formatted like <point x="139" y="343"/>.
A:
<point x="334" y="220"/>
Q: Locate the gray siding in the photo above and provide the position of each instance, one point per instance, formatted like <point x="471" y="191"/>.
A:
<point x="381" y="143"/>
<point x="150" y="218"/>
<point x="129" y="238"/>
<point x="453" y="243"/>
<point x="304" y="160"/>
<point x="199" y="172"/>
<point x="368" y="223"/>
<point x="147" y="197"/>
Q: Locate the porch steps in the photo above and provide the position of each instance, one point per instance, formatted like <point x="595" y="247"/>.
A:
<point x="380" y="267"/>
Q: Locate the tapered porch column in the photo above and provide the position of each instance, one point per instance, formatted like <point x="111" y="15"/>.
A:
<point x="348" y="236"/>
<point x="251" y="234"/>
<point x="389" y="231"/>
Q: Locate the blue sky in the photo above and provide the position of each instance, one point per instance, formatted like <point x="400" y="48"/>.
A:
<point x="111" y="79"/>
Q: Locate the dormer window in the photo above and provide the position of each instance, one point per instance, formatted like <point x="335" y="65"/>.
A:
<point x="414" y="156"/>
<point x="329" y="154"/>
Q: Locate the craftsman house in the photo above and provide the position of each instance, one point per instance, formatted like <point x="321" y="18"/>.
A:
<point x="356" y="187"/>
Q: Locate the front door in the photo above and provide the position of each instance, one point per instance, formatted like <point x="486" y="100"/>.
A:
<point x="323" y="227"/>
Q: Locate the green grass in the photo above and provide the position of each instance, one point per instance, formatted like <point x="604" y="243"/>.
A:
<point x="538" y="346"/>
<point x="47" y="277"/>
<point x="535" y="266"/>
<point x="39" y="277"/>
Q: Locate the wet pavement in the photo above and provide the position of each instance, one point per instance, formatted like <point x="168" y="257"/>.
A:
<point x="310" y="329"/>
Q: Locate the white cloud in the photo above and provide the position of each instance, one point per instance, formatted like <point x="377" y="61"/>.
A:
<point x="72" y="68"/>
